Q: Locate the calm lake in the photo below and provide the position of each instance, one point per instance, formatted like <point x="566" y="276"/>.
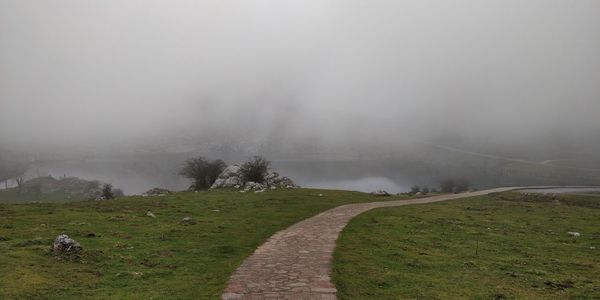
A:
<point x="136" y="176"/>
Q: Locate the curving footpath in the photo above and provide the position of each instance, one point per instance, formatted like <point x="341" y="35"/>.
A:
<point x="295" y="263"/>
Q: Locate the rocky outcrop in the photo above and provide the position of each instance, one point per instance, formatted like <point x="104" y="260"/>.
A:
<point x="64" y="245"/>
<point x="231" y="177"/>
<point x="274" y="180"/>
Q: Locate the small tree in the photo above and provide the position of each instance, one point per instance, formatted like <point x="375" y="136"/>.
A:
<point x="107" y="192"/>
<point x="415" y="189"/>
<point x="425" y="190"/>
<point x="255" y="170"/>
<point x="202" y="172"/>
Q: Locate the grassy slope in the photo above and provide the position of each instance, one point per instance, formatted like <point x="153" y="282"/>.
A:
<point x="429" y="251"/>
<point x="177" y="260"/>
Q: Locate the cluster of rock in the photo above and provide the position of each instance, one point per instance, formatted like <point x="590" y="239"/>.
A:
<point x="274" y="180"/>
<point x="231" y="177"/>
<point x="64" y="245"/>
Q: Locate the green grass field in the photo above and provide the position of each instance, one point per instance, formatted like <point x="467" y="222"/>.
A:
<point x="503" y="246"/>
<point x="133" y="256"/>
<point x="507" y="246"/>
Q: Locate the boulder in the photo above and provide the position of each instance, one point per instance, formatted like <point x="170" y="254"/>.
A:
<point x="219" y="183"/>
<point x="230" y="171"/>
<point x="63" y="244"/>
<point x="232" y="182"/>
<point x="272" y="179"/>
<point x="229" y="178"/>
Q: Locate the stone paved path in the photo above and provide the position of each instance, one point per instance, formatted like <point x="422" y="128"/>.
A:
<point x="295" y="263"/>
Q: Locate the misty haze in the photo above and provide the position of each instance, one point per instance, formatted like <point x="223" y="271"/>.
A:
<point x="121" y="122"/>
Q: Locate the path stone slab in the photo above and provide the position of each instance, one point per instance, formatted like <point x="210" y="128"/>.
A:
<point x="295" y="263"/>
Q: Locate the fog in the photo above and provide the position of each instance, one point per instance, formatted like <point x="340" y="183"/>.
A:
<point x="296" y="79"/>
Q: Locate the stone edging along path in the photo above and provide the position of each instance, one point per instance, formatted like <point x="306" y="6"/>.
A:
<point x="295" y="263"/>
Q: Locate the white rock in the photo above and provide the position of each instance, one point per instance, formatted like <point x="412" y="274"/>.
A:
<point x="150" y="214"/>
<point x="574" y="234"/>
<point x="218" y="183"/>
<point x="63" y="244"/>
<point x="232" y="181"/>
<point x="230" y="177"/>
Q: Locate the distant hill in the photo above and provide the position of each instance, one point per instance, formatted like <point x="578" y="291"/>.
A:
<point x="50" y="189"/>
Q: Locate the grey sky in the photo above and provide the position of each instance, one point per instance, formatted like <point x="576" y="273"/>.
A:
<point x="332" y="71"/>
